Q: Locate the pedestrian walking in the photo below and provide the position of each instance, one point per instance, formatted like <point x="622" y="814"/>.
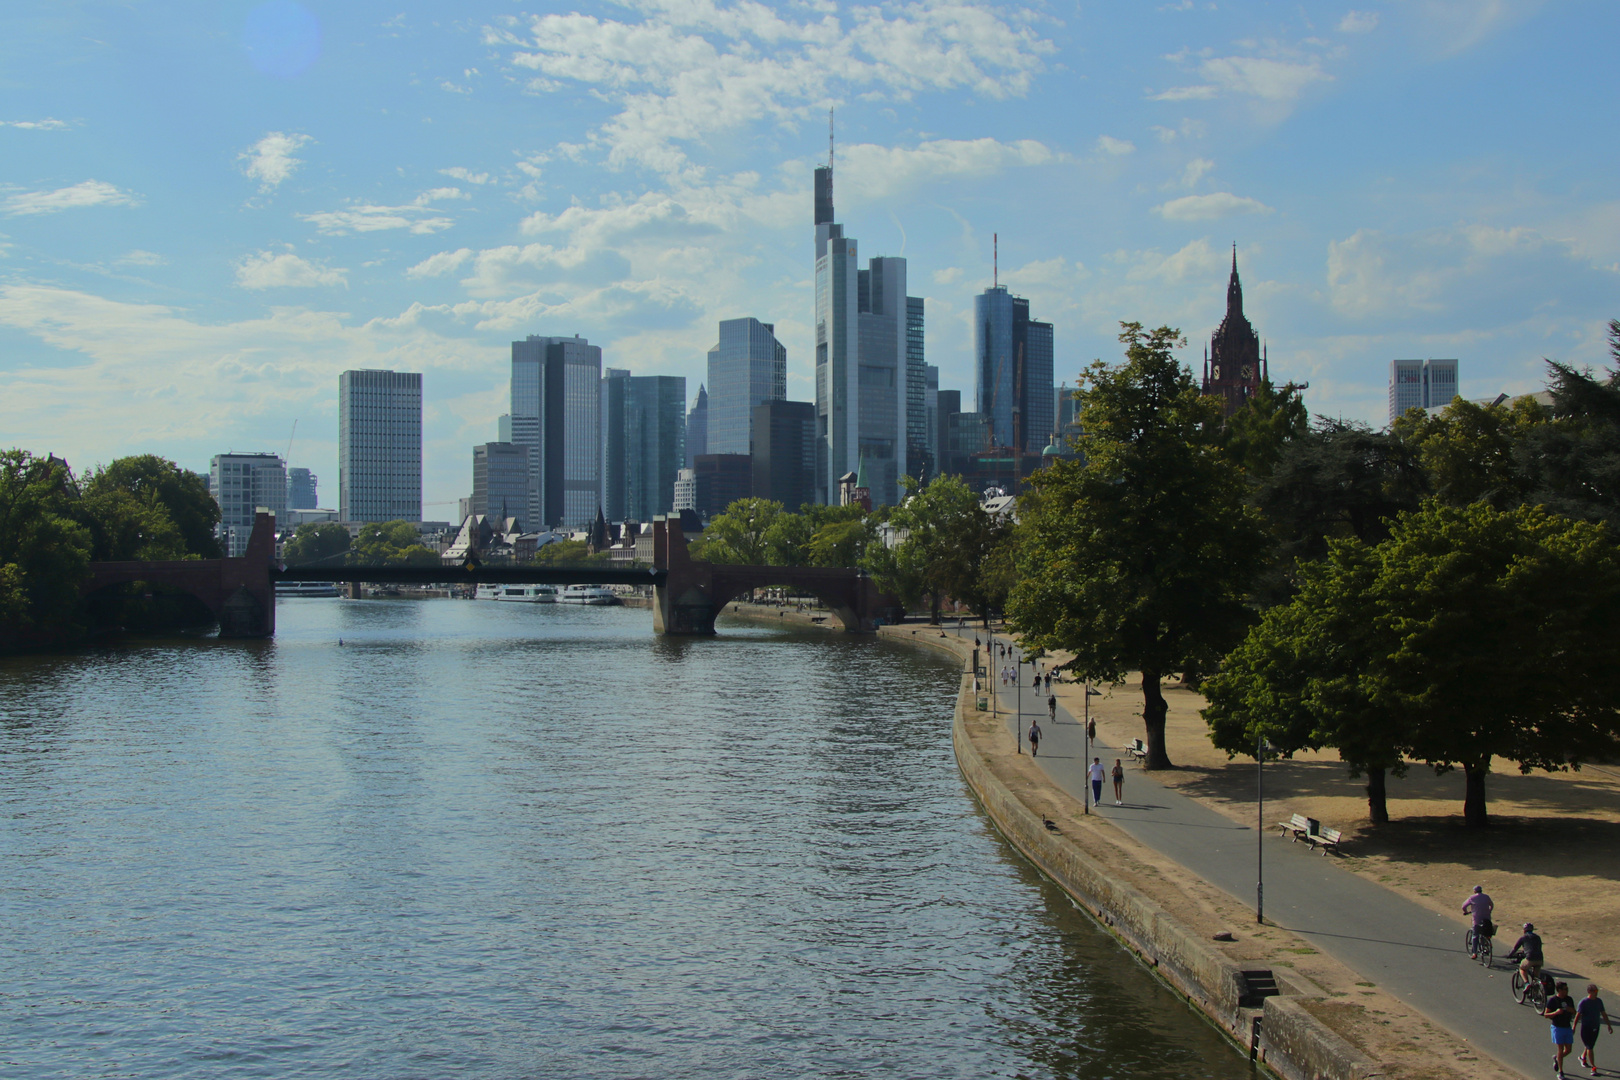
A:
<point x="1048" y="684"/>
<point x="1590" y="1013"/>
<point x="1119" y="783"/>
<point x="1096" y="775"/>
<point x="1091" y="730"/>
<point x="1561" y="1011"/>
<point x="1051" y="709"/>
<point x="1034" y="737"/>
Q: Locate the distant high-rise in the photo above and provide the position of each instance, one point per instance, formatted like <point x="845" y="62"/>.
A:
<point x="301" y="494"/>
<point x="720" y="480"/>
<point x="784" y="453"/>
<point x="931" y="423"/>
<point x="501" y="481"/>
<point x="556" y="409"/>
<point x="863" y="329"/>
<point x="643" y="443"/>
<point x="950" y="404"/>
<point x="1013" y="361"/>
<point x="1420" y="384"/>
<point x="241" y="483"/>
<point x="380" y="446"/>
<point x="1235" y="364"/>
<point x="918" y="453"/>
<point x="697" y="426"/>
<point x="746" y="367"/>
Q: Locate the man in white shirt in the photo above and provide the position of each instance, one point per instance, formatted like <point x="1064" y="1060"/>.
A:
<point x="1095" y="774"/>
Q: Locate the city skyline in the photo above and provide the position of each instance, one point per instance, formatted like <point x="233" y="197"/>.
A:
<point x="383" y="192"/>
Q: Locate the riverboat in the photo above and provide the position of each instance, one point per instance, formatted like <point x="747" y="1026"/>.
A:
<point x="599" y="595"/>
<point x="308" y="588"/>
<point x="519" y="594"/>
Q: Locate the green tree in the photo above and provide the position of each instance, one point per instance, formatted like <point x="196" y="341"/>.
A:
<point x="841" y="541"/>
<point x="568" y="552"/>
<point x="44" y="552"/>
<point x="126" y="525"/>
<point x="1268" y="421"/>
<point x="1471" y="452"/>
<point x="1140" y="557"/>
<point x="739" y="534"/>
<point x="949" y="536"/>
<point x="787" y="539"/>
<point x="157" y="482"/>
<point x="1300" y="679"/>
<point x="323" y="543"/>
<point x="392" y="543"/>
<point x="1505" y="635"/>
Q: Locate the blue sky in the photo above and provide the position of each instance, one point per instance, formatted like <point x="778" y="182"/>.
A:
<point x="209" y="210"/>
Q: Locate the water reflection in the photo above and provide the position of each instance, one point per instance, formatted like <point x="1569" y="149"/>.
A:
<point x="504" y="840"/>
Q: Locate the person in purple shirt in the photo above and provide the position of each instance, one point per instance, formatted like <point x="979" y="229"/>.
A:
<point x="1480" y="906"/>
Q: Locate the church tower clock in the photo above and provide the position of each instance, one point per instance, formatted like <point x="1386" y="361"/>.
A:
<point x="1234" y="362"/>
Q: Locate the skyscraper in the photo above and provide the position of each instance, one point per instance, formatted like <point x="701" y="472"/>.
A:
<point x="301" y="494"/>
<point x="380" y="446"/>
<point x="501" y="481"/>
<point x="240" y="484"/>
<point x="784" y="453"/>
<point x="1235" y="364"/>
<point x="748" y="366"/>
<point x="918" y="455"/>
<point x="643" y="443"/>
<point x="1420" y="384"/>
<point x="556" y="409"/>
<point x="697" y="426"/>
<point x="1013" y="360"/>
<point x="863" y="324"/>
<point x="931" y="422"/>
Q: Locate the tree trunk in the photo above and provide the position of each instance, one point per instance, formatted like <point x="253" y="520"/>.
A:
<point x="1474" y="796"/>
<point x="1377" y="806"/>
<point x="933" y="607"/>
<point x="1153" y="714"/>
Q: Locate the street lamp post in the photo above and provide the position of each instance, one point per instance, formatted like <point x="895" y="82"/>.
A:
<point x="1259" y="830"/>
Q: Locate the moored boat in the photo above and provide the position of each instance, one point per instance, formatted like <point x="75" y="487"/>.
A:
<point x="519" y="594"/>
<point x="598" y="595"/>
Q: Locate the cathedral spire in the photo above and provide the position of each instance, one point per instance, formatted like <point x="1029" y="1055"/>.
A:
<point x="1234" y="290"/>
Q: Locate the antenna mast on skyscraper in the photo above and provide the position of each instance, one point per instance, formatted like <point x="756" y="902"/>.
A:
<point x="995" y="260"/>
<point x="829" y="138"/>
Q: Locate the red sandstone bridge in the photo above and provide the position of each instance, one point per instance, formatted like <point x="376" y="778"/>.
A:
<point x="687" y="593"/>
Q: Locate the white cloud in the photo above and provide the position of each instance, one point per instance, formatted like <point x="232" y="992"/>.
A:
<point x="141" y="258"/>
<point x="1184" y="93"/>
<point x="1358" y="22"/>
<point x="1257" y="76"/>
<point x="442" y="263"/>
<point x="689" y="69"/>
<point x="465" y="175"/>
<point x="368" y="217"/>
<point x="1107" y="144"/>
<point x="1195" y="171"/>
<point x="270" y="161"/>
<point x="47" y="124"/>
<point x="948" y="276"/>
<point x="869" y="171"/>
<point x="1205" y="207"/>
<point x="271" y="271"/>
<point x="88" y="193"/>
<point x="439" y="194"/>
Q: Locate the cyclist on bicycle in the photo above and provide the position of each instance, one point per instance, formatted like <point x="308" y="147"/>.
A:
<point x="1480" y="906"/>
<point x="1527" y="950"/>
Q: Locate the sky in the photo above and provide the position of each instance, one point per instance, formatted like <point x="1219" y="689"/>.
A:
<point x="209" y="210"/>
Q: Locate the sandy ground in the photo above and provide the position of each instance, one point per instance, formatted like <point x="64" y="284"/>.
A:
<point x="1551" y="855"/>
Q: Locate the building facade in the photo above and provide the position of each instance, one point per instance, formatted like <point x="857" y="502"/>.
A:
<point x="720" y="480"/>
<point x="1420" y="384"/>
<point x="556" y="408"/>
<point x="1235" y="362"/>
<point x="697" y="426"/>
<point x="784" y="453"/>
<point x="240" y="484"/>
<point x="746" y="367"/>
<point x="919" y="452"/>
<point x="301" y="493"/>
<point x="380" y="446"/>
<point x="500" y="481"/>
<point x="643" y="443"/>
<point x="1013" y="371"/>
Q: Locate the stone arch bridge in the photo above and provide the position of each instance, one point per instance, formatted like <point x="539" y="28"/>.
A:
<point x="687" y="593"/>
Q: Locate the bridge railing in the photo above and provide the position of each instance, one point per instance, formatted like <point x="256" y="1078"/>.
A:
<point x="381" y="574"/>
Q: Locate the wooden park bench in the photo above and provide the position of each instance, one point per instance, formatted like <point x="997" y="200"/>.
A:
<point x="1299" y="827"/>
<point x="1327" y="839"/>
<point x="1137" y="749"/>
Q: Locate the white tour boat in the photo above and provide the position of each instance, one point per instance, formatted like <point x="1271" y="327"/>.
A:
<point x="308" y="588"/>
<point x="599" y="595"/>
<point x="518" y="594"/>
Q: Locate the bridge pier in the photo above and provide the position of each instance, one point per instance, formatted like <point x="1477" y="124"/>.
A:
<point x="692" y="593"/>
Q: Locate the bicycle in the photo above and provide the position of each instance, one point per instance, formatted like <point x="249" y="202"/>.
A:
<point x="1530" y="990"/>
<point x="1477" y="944"/>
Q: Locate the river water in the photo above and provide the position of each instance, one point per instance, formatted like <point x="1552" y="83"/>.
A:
<point x="503" y="840"/>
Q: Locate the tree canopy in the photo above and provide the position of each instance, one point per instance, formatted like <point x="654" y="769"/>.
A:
<point x="1139" y="556"/>
<point x="394" y="543"/>
<point x="323" y="543"/>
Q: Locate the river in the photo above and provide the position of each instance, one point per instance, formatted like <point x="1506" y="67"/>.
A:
<point x="504" y="840"/>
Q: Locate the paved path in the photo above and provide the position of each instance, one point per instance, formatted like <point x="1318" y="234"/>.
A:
<point x="1406" y="949"/>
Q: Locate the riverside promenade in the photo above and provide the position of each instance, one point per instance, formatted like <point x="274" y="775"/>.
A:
<point x="1403" y="948"/>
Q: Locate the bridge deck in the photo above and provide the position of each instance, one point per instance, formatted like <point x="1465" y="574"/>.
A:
<point x="590" y="574"/>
